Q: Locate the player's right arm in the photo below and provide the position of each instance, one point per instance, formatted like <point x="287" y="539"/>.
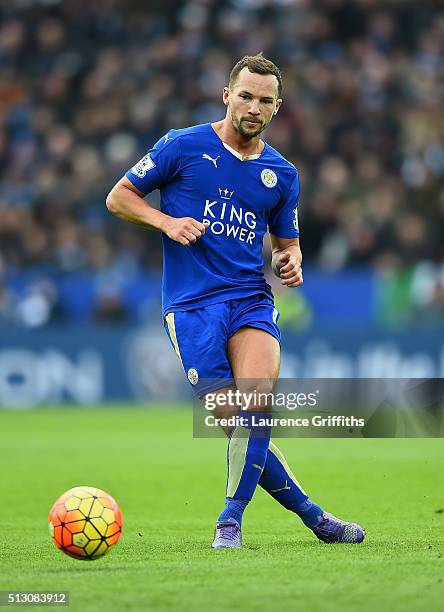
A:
<point x="127" y="202"/>
<point x="161" y="165"/>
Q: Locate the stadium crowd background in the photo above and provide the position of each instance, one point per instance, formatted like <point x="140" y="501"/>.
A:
<point x="86" y="87"/>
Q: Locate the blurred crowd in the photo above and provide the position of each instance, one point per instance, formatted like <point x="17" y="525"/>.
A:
<point x="87" y="86"/>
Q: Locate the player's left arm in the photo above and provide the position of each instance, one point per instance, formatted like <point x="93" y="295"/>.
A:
<point x="286" y="260"/>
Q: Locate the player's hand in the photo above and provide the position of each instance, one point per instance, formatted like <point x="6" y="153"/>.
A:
<point x="184" y="230"/>
<point x="290" y="269"/>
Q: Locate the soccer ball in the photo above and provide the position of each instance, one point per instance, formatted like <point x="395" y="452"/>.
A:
<point x="85" y="523"/>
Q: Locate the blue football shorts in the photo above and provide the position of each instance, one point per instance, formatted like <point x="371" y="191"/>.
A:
<point x="200" y="337"/>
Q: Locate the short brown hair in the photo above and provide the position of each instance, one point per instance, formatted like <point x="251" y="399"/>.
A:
<point x="258" y="64"/>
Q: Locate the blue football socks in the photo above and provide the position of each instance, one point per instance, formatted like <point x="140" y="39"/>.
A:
<point x="246" y="458"/>
<point x="253" y="459"/>
<point x="278" y="480"/>
<point x="234" y="508"/>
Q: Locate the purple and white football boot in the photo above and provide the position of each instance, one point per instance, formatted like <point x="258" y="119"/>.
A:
<point x="333" y="530"/>
<point x="227" y="535"/>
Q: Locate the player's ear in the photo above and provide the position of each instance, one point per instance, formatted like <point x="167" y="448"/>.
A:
<point x="278" y="106"/>
<point x="225" y="95"/>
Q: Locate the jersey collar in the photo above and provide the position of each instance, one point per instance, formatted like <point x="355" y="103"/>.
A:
<point x="238" y="155"/>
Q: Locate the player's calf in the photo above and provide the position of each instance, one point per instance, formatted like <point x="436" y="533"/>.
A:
<point x="247" y="453"/>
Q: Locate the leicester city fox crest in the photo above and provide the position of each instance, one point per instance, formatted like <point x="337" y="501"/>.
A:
<point x="269" y="178"/>
<point x="193" y="376"/>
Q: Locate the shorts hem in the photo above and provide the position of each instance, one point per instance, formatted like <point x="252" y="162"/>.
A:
<point x="261" y="326"/>
<point x="211" y="388"/>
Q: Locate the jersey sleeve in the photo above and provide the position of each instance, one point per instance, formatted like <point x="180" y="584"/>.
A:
<point x="283" y="219"/>
<point x="159" y="166"/>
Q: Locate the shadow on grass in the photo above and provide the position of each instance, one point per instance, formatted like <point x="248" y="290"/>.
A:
<point x="91" y="568"/>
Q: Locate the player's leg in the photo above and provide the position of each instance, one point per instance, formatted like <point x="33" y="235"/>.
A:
<point x="254" y="358"/>
<point x="254" y="355"/>
<point x="279" y="481"/>
<point x="277" y="477"/>
<point x="199" y="338"/>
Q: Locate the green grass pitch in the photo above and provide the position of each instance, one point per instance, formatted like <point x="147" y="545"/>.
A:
<point x="171" y="487"/>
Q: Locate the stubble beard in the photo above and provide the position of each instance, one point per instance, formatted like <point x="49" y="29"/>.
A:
<point x="248" y="134"/>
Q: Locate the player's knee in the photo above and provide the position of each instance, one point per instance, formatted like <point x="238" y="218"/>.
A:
<point x="258" y="395"/>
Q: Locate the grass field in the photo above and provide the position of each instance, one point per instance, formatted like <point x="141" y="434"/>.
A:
<point x="171" y="487"/>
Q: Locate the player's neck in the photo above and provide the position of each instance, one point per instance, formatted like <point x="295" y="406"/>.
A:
<point x="245" y="146"/>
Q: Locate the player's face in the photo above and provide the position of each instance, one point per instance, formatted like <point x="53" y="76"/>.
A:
<point x="252" y="102"/>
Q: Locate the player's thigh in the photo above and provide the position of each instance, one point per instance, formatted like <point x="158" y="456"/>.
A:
<point x="254" y="356"/>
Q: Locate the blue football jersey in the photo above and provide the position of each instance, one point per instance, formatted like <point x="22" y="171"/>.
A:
<point x="199" y="176"/>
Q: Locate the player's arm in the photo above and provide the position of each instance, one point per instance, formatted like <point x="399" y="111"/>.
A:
<point x="127" y="202"/>
<point x="286" y="260"/>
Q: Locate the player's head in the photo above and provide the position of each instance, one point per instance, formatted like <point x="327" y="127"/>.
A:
<point x="253" y="95"/>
